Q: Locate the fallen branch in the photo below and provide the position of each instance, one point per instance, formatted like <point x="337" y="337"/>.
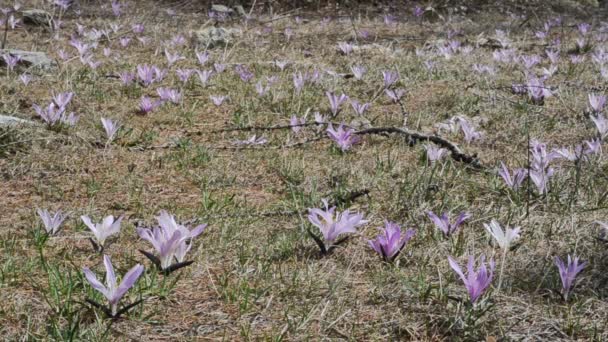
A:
<point x="414" y="137"/>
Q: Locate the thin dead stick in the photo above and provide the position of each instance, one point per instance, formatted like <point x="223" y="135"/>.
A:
<point x="456" y="153"/>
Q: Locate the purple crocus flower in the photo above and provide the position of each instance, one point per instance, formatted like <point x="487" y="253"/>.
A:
<point x="218" y="100"/>
<point x="111" y="127"/>
<point x="470" y="134"/>
<point x="434" y="153"/>
<point x="261" y="89"/>
<point x="593" y="146"/>
<point x="112" y="290"/>
<point x="583" y="28"/>
<point x="219" y="67"/>
<point x="124" y="41"/>
<point x="51" y="115"/>
<point x="51" y="222"/>
<point x="298" y="81"/>
<point x="476" y="282"/>
<point x="391" y="241"/>
<point x="332" y="224"/>
<point x="116" y="8"/>
<point x="597" y="102"/>
<point x="184" y="74"/>
<point x="515" y="180"/>
<point x="126" y="77"/>
<point x="360" y="108"/>
<point x="345" y="48"/>
<point x="390" y="78"/>
<point x="244" y="73"/>
<point x="418" y="11"/>
<point x="204" y="76"/>
<point x="443" y="223"/>
<point x="167" y="94"/>
<point x="203" y="57"/>
<point x="138" y="28"/>
<point x="147" y="104"/>
<point x="281" y="64"/>
<point x="568" y="273"/>
<point x="173" y="58"/>
<point x="63" y="99"/>
<point x="296" y="123"/>
<point x="102" y="231"/>
<point x="601" y="123"/>
<point x="11" y="60"/>
<point x="343" y="137"/>
<point x="358" y="71"/>
<point x="394" y="94"/>
<point x="146" y="74"/>
<point x="25" y="79"/>
<point x="335" y="101"/>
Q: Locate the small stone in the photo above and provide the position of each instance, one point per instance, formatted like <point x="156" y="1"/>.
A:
<point x="37" y="17"/>
<point x="211" y="37"/>
<point x="222" y="9"/>
<point x="7" y="120"/>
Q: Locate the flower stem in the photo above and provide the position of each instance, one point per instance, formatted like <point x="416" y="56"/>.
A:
<point x="502" y="269"/>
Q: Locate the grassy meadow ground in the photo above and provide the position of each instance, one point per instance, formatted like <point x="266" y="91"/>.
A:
<point x="256" y="273"/>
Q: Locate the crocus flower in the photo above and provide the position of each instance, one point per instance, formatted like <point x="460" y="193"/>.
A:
<point x="112" y="290"/>
<point x="395" y="95"/>
<point x="359" y="108"/>
<point x="102" y="231"/>
<point x="476" y="282"/>
<point x="184" y="74"/>
<point x="146" y="74"/>
<point x="470" y="134"/>
<point x="244" y="73"/>
<point x="63" y="99"/>
<point x="111" y="127"/>
<point x="418" y="11"/>
<point x="124" y="41"/>
<point x="25" y="79"/>
<point x="391" y="241"/>
<point x="601" y="123"/>
<point x="583" y="28"/>
<point x="568" y="273"/>
<point x="116" y="8"/>
<point x="11" y="61"/>
<point x="219" y="67"/>
<point x="358" y="71"/>
<point x="126" y="77"/>
<point x="596" y="102"/>
<point x="218" y="100"/>
<point x="167" y="94"/>
<point x="335" y="101"/>
<point x="443" y="222"/>
<point x="203" y="57"/>
<point x="434" y="153"/>
<point x="173" y="58"/>
<point x="345" y="48"/>
<point x="298" y="81"/>
<point x="504" y="238"/>
<point x="343" y="137"/>
<point x="513" y="181"/>
<point x="296" y="123"/>
<point x="389" y="78"/>
<point x="204" y="76"/>
<point x="51" y="115"/>
<point x="281" y="64"/>
<point x="332" y="224"/>
<point x="147" y="104"/>
<point x="51" y="222"/>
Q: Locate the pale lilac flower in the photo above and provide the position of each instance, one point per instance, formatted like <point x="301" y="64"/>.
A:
<point x="596" y="102"/>
<point x="244" y="73"/>
<point x="512" y="181"/>
<point x="358" y="71"/>
<point x="146" y="74"/>
<point x="389" y="20"/>
<point x="345" y="138"/>
<point x="69" y="119"/>
<point x="219" y="67"/>
<point x="548" y="72"/>
<point x="359" y="108"/>
<point x="218" y="100"/>
<point x="11" y="61"/>
<point x="593" y="146"/>
<point x="476" y="282"/>
<point x="335" y="101"/>
<point x="203" y="57"/>
<point x="583" y="28"/>
<point x="320" y="118"/>
<point x="63" y="4"/>
<point x="137" y="28"/>
<point x="418" y="11"/>
<point x="107" y="52"/>
<point x="281" y="64"/>
<point x="51" y="222"/>
<point x="470" y="134"/>
<point x="173" y="58"/>
<point x="51" y="115"/>
<point x="332" y="224"/>
<point x="253" y="140"/>
<point x="102" y="231"/>
<point x="143" y="40"/>
<point x="568" y="273"/>
<point x="25" y="79"/>
<point x="391" y="241"/>
<point x="389" y="78"/>
<point x="116" y="8"/>
<point x="63" y="55"/>
<point x="541" y="34"/>
<point x="601" y="123"/>
<point x="364" y="34"/>
<point x="296" y="123"/>
<point x="80" y="46"/>
<point x="530" y="61"/>
<point x="298" y="81"/>
<point x="261" y="89"/>
<point x="63" y="99"/>
<point x="184" y="74"/>
<point x="178" y="40"/>
<point x="395" y="94"/>
<point x="540" y="178"/>
<point x="581" y="44"/>
<point x="124" y="41"/>
<point x="537" y="90"/>
<point x="111" y="127"/>
<point x="345" y="48"/>
<point x="577" y="59"/>
<point x="167" y="94"/>
<point x="553" y="56"/>
<point x="112" y="290"/>
<point x="505" y="237"/>
<point x="147" y="104"/>
<point x="434" y="153"/>
<point x="204" y="76"/>
<point x="443" y="222"/>
<point x="126" y="77"/>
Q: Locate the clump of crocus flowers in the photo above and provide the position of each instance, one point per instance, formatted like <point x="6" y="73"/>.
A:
<point x="332" y="225"/>
<point x="476" y="282"/>
<point x="391" y="241"/>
